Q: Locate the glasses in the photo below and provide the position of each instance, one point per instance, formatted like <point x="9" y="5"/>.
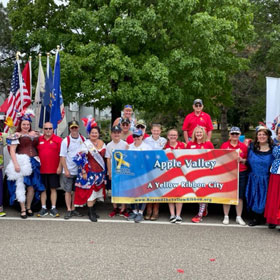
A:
<point x="48" y="128"/>
<point x="198" y="105"/>
<point x="140" y="126"/>
<point x="135" y="136"/>
<point x="234" y="133"/>
<point x="125" y="124"/>
<point x="74" y="127"/>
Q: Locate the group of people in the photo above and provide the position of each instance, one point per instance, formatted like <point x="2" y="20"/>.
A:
<point x="85" y="166"/>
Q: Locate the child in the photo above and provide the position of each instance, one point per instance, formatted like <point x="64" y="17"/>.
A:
<point x="116" y="144"/>
<point x="156" y="142"/>
<point x="138" y="145"/>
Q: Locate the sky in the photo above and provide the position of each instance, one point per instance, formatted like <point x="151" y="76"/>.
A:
<point x="4" y="2"/>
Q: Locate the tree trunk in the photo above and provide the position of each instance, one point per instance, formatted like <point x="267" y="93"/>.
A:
<point x="224" y="124"/>
<point x="116" y="104"/>
<point x="115" y="111"/>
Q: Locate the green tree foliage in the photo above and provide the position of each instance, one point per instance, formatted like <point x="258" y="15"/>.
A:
<point x="250" y="86"/>
<point x="7" y="53"/>
<point x="157" y="55"/>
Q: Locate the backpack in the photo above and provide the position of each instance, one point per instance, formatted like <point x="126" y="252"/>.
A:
<point x="68" y="140"/>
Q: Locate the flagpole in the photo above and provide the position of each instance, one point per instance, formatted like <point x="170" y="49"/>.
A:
<point x="48" y="63"/>
<point x="30" y="73"/>
<point x="57" y="51"/>
<point x="56" y="54"/>
<point x="20" y="79"/>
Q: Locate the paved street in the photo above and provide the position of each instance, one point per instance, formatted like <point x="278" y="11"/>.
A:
<point x="52" y="248"/>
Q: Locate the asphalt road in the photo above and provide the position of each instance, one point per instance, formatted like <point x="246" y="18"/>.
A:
<point x="52" y="248"/>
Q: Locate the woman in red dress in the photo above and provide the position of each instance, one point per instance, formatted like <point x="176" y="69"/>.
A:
<point x="272" y="205"/>
<point x="90" y="183"/>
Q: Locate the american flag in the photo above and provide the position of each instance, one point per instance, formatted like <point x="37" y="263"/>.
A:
<point x="16" y="100"/>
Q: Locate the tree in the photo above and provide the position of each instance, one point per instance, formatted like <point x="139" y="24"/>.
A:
<point x="7" y="53"/>
<point x="157" y="55"/>
<point x="250" y="86"/>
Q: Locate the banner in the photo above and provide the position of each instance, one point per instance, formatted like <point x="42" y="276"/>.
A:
<point x="272" y="101"/>
<point x="186" y="176"/>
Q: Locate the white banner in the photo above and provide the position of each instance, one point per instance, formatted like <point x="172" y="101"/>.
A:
<point x="272" y="100"/>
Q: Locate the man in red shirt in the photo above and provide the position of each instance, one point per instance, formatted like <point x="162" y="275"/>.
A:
<point x="49" y="148"/>
<point x="197" y="118"/>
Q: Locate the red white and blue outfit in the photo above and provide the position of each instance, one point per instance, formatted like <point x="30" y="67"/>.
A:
<point x="29" y="175"/>
<point x="272" y="206"/>
<point x="90" y="182"/>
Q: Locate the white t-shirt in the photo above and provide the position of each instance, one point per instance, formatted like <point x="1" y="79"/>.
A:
<point x="73" y="148"/>
<point x="142" y="147"/>
<point x="114" y="146"/>
<point x="155" y="144"/>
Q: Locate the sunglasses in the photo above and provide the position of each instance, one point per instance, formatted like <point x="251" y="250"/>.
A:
<point x="125" y="124"/>
<point x="140" y="126"/>
<point x="135" y="136"/>
<point x="48" y="128"/>
<point x="198" y="105"/>
<point x="74" y="127"/>
<point x="234" y="133"/>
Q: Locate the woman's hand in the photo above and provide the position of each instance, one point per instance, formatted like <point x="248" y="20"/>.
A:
<point x="34" y="133"/>
<point x="17" y="168"/>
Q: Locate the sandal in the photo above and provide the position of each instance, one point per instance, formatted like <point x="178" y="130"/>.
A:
<point x="154" y="217"/>
<point x="23" y="216"/>
<point x="29" y="212"/>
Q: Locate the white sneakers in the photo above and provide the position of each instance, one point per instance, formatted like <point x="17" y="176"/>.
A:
<point x="226" y="220"/>
<point x="239" y="220"/>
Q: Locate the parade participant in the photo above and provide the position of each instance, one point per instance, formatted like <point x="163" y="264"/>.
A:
<point x="260" y="159"/>
<point x="90" y="183"/>
<point x="272" y="206"/>
<point x="173" y="144"/>
<point x="116" y="144"/>
<point x="138" y="145"/>
<point x="275" y="127"/>
<point x="142" y="126"/>
<point x="49" y="149"/>
<point x="199" y="138"/>
<point x="197" y="117"/>
<point x="234" y="144"/>
<point x="2" y="213"/>
<point x="125" y="129"/>
<point x="127" y="114"/>
<point x="276" y="140"/>
<point x="24" y="169"/>
<point x="70" y="146"/>
<point x="156" y="142"/>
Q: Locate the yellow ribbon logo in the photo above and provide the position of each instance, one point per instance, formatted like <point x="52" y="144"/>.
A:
<point x="120" y="160"/>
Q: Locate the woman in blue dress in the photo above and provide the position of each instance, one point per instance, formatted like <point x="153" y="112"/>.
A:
<point x="259" y="159"/>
